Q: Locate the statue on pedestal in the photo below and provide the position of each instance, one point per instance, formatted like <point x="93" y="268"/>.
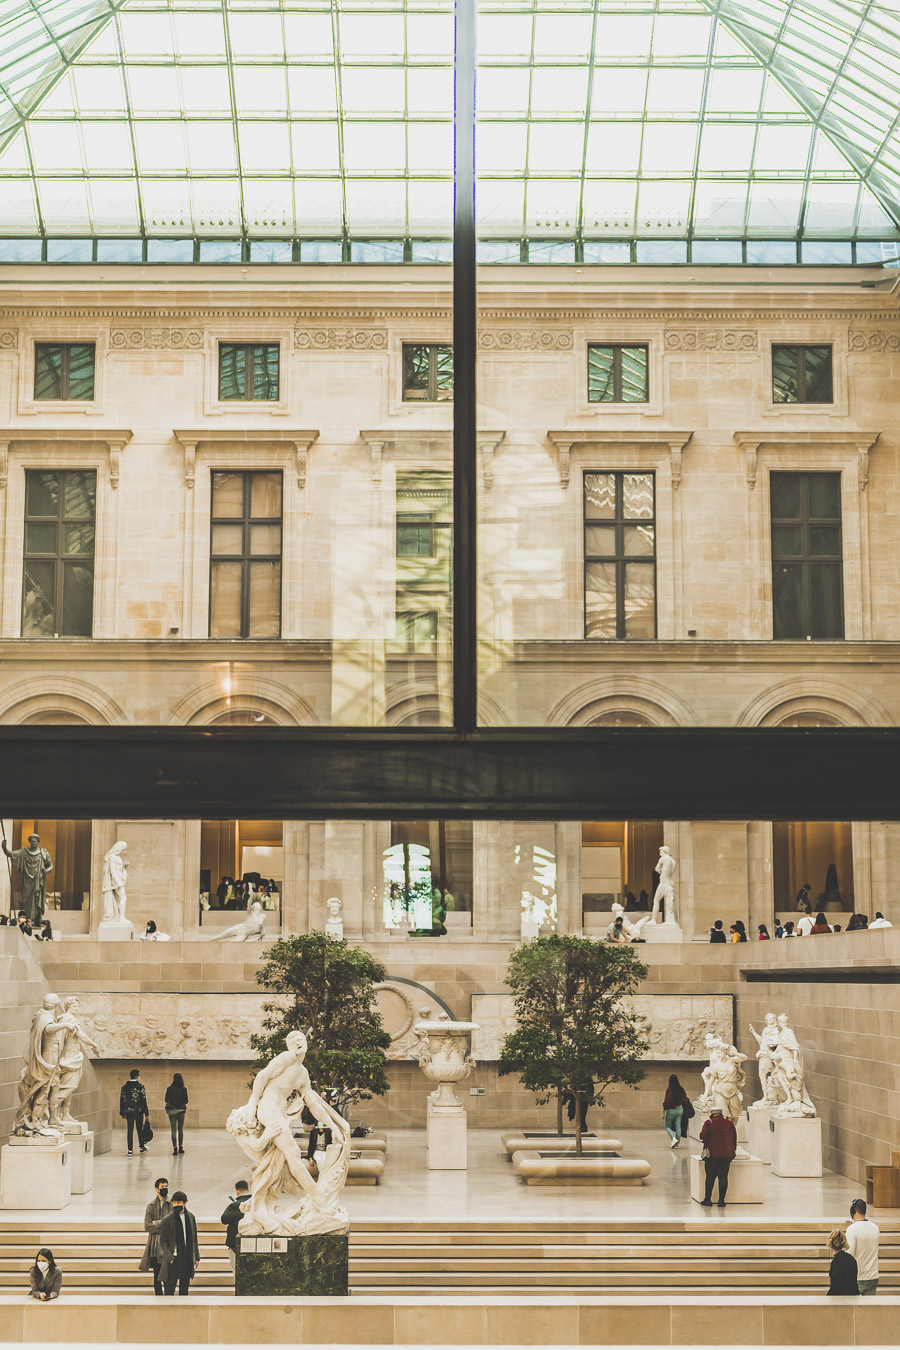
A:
<point x="285" y="1199"/>
<point x="115" y="873"/>
<point x="722" y="1079"/>
<point x="251" y="929"/>
<point x="71" y="1067"/>
<point x="665" y="891"/>
<point x="788" y="1075"/>
<point x="767" y="1040"/>
<point x="632" y="930"/>
<point x="32" y="864"/>
<point x="40" y="1076"/>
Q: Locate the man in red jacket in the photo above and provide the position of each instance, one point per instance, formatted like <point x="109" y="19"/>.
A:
<point x="719" y="1136"/>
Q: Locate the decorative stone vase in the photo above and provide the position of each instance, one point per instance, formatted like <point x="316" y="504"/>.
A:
<point x="445" y="1058"/>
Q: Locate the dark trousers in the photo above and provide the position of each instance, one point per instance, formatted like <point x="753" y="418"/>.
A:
<point x="716" y="1167"/>
<point x="157" y="1282"/>
<point x="176" y="1125"/>
<point x="179" y="1273"/>
<point x="132" y="1119"/>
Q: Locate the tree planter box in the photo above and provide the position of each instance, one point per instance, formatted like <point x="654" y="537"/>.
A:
<point x="537" y="1169"/>
<point x="528" y="1140"/>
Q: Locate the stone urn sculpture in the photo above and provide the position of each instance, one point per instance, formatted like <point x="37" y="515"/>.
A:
<point x="445" y="1057"/>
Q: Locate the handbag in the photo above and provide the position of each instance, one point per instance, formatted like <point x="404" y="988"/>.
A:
<point x="687" y="1110"/>
<point x="147" y="1132"/>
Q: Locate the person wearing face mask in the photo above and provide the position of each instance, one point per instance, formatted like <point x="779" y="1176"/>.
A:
<point x="178" y="1247"/>
<point x="45" y="1276"/>
<point x="154" y="1214"/>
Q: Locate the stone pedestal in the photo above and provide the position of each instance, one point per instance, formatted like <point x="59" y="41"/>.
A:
<point x="529" y="928"/>
<point x="81" y="1155"/>
<point x="35" y="1175"/>
<point x="797" y="1146"/>
<point x="312" y="1267"/>
<point x="746" y="1181"/>
<point x="335" y="928"/>
<point x="446" y="1139"/>
<point x="759" y="1131"/>
<point x="662" y="932"/>
<point x="115" y="930"/>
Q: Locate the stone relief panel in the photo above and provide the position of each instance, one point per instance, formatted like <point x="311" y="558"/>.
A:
<point x="341" y="339"/>
<point x="526" y="340"/>
<point x="875" y="341"/>
<point x="711" y="340"/>
<point x="9" y="339"/>
<point x="401" y="1007"/>
<point x="674" y="1025"/>
<point x="156" y="339"/>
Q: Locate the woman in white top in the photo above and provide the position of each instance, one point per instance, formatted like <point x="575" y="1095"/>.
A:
<point x="152" y="934"/>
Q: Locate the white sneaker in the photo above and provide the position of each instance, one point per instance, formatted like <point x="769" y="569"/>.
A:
<point x="674" y="1143"/>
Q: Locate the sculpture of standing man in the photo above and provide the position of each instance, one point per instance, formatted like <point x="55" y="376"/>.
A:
<point x="40" y="1076"/>
<point x="665" y="891"/>
<point x="32" y="864"/>
<point x="115" y="874"/>
<point x="767" y="1040"/>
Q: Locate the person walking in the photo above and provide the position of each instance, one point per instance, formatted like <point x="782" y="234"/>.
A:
<point x="176" y="1106"/>
<point x="674" y="1103"/>
<point x="717" y="932"/>
<point x="45" y="1277"/>
<point x="179" y="1250"/>
<point x="133" y="1110"/>
<point x="154" y="1214"/>
<point x="231" y="1216"/>
<point x="842" y="1273"/>
<point x="719" y="1139"/>
<point x="862" y="1242"/>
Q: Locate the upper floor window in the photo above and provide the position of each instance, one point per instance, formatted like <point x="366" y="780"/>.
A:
<point x="58" y="590"/>
<point x="245" y="548"/>
<point x="427" y="372"/>
<point x="619" y="555"/>
<point x="807" y="566"/>
<point x="801" y="375"/>
<point x="64" y="370"/>
<point x="617" y="373"/>
<point x="248" y="371"/>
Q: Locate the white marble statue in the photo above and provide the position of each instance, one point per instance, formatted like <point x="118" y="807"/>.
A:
<point x="285" y="1201"/>
<point x="665" y="891"/>
<point x="115" y="874"/>
<point x="71" y="1067"/>
<point x="40" y="1076"/>
<point x="722" y="1079"/>
<point x="251" y="929"/>
<point x="334" y="924"/>
<point x="767" y="1041"/>
<point x="788" y="1075"/>
<point x="631" y="929"/>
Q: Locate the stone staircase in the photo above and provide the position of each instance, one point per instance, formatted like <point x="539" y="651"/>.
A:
<point x="714" y="1256"/>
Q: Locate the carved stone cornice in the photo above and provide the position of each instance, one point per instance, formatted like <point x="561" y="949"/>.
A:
<point x="565" y="441"/>
<point x="751" y="442"/>
<point x="296" y="441"/>
<point x="44" y="439"/>
<point x="156" y="339"/>
<point x="409" y="441"/>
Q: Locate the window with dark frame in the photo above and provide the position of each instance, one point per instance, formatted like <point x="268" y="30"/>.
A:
<point x="249" y="371"/>
<point x="58" y="586"/>
<point x="807" y="561"/>
<point x="64" y="371"/>
<point x="427" y="372"/>
<point x="802" y="374"/>
<point x="619" y="555"/>
<point x="245" y="554"/>
<point x="618" y="373"/>
<point x="423" y="559"/>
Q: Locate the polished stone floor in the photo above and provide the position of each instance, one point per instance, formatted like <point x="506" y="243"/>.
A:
<point x="488" y="1190"/>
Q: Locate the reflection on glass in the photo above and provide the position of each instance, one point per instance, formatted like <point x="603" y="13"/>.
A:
<point x="807" y="563"/>
<point x="617" y="374"/>
<point x="619" y="595"/>
<point x="245" y="595"/>
<point x="427" y="878"/>
<point x="58" y="593"/>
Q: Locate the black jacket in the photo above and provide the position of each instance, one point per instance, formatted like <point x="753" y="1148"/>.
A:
<point x="176" y="1097"/>
<point x="232" y="1215"/>
<point x="133" y="1099"/>
<point x="717" y="935"/>
<point x="842" y="1273"/>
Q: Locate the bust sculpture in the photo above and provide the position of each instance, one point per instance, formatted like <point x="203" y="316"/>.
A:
<point x="787" y="1074"/>
<point x="334" y="924"/>
<point x="32" y="864"/>
<point x="71" y="1068"/>
<point x="285" y="1199"/>
<point x="251" y="929"/>
<point x="631" y="929"/>
<point x="115" y="873"/>
<point x="40" y="1076"/>
<point x="723" y="1079"/>
<point x="767" y="1041"/>
<point x="665" y="891"/>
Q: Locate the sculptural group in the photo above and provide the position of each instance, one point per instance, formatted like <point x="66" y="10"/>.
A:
<point x="781" y="1072"/>
<point x="723" y="1079"/>
<point x="54" y="1064"/>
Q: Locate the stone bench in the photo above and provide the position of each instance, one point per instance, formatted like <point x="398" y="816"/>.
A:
<point x="523" y="1141"/>
<point x="536" y="1170"/>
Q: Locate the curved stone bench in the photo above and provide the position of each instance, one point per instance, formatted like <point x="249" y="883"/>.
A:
<point x="367" y="1170"/>
<point x="373" y="1143"/>
<point x="583" y="1171"/>
<point x="518" y="1142"/>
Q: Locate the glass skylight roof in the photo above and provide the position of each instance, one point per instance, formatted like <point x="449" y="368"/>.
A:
<point x="599" y="120"/>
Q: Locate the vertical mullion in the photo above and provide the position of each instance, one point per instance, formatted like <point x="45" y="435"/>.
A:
<point x="465" y="417"/>
<point x="620" y="551"/>
<point x="804" y="553"/>
<point x="64" y="372"/>
<point x="617" y="374"/>
<point x="58" y="564"/>
<point x="245" y="557"/>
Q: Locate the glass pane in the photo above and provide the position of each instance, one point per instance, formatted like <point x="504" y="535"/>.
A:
<point x="265" y="600"/>
<point x="637" y="496"/>
<point x="39" y="599"/>
<point x="415" y="538"/>
<point x="225" y="600"/>
<point x="640" y="601"/>
<point x="78" y="599"/>
<point x="41" y="493"/>
<point x="415" y="371"/>
<point x="265" y="496"/>
<point x="785" y="383"/>
<point x="600" y="496"/>
<point x="600" y="600"/>
<point x="48" y="371"/>
<point x="787" y="601"/>
<point x="600" y="374"/>
<point x="81" y="371"/>
<point x="80" y="501"/>
<point x="40" y="538"/>
<point x="824" y="496"/>
<point x="78" y="539"/>
<point x="228" y="539"/>
<point x="634" y="374"/>
<point x="787" y="541"/>
<point x="824" y="540"/>
<point x="786" y="491"/>
<point x="600" y="541"/>
<point x="444" y="373"/>
<point x="265" y="539"/>
<point x="826" y="594"/>
<point x="232" y="372"/>
<point x="639" y="541"/>
<point x="227" y="494"/>
<point x="818" y="375"/>
<point x="265" y="372"/>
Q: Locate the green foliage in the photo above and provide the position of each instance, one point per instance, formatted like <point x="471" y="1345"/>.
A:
<point x="574" y="1034"/>
<point x="327" y="990"/>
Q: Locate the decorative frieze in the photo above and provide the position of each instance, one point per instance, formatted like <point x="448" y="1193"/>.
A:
<point x="9" y="339"/>
<point x="156" y="339"/>
<point x="341" y="339"/>
<point x="875" y="341"/>
<point x="525" y="340"/>
<point x="711" y="340"/>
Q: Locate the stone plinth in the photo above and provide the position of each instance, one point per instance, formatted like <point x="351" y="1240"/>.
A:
<point x="797" y="1146"/>
<point x="446" y="1140"/>
<point x="662" y="932"/>
<point x="335" y="928"/>
<point x="759" y="1131"/>
<point x="115" y="930"/>
<point x="81" y="1156"/>
<point x="272" y="1267"/>
<point x="35" y="1175"/>
<point x="746" y="1181"/>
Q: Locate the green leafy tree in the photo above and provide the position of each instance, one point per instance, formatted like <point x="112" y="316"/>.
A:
<point x="574" y="1033"/>
<point x="327" y="990"/>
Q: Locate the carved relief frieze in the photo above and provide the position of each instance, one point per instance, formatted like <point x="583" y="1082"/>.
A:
<point x="526" y="340"/>
<point x="875" y="340"/>
<point x="9" y="339"/>
<point x="341" y="339"/>
<point x="711" y="340"/>
<point x="156" y="339"/>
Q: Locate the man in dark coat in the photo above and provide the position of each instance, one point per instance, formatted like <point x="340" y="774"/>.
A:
<point x="231" y="1217"/>
<point x="179" y="1250"/>
<point x="32" y="864"/>
<point x="133" y="1109"/>
<point x="154" y="1214"/>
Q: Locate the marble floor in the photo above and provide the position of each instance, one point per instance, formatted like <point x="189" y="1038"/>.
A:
<point x="488" y="1190"/>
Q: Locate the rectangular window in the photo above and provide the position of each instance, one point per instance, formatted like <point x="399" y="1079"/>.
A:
<point x="241" y="861"/>
<point x="58" y="590"/>
<point x="64" y="371"/>
<point x="801" y="375"/>
<point x="423" y="549"/>
<point x="617" y="374"/>
<point x="427" y="372"/>
<point x="427" y="878"/>
<point x="619" y="555"/>
<point x="69" y="884"/>
<point x="248" y="371"/>
<point x="245" y="555"/>
<point x="807" y="563"/>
